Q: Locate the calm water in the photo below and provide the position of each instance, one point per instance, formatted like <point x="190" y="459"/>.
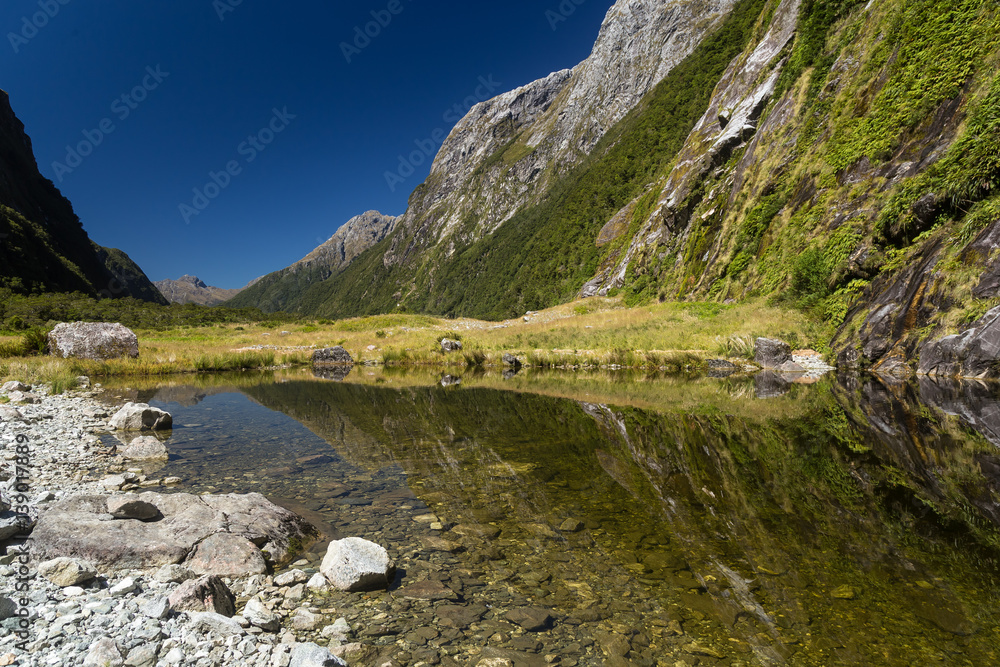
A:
<point x="658" y="520"/>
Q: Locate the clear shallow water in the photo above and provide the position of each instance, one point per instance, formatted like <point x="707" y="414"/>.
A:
<point x="848" y="522"/>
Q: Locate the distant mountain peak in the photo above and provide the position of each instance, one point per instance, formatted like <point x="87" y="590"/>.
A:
<point x="192" y="289"/>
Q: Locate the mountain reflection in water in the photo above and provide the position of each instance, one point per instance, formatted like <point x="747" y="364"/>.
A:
<point x="847" y="522"/>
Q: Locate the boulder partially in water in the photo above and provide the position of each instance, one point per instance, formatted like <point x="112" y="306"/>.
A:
<point x="353" y="564"/>
<point x="141" y="417"/>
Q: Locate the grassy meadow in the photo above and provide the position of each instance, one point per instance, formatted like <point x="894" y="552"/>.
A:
<point x="588" y="334"/>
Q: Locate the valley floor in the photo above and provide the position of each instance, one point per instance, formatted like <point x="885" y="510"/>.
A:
<point x="592" y="333"/>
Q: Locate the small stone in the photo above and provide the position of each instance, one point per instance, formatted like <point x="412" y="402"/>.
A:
<point x="305" y="620"/>
<point x="123" y="588"/>
<point x="259" y="615"/>
<point x="104" y="653"/>
<point x="67" y="571"/>
<point x="313" y="655"/>
<point x="146" y="448"/>
<point x="8" y="609"/>
<point x="571" y="526"/>
<point x="158" y="608"/>
<point x="844" y="592"/>
<point x="353" y="564"/>
<point x="340" y="631"/>
<point x="142" y="656"/>
<point x="175" y="656"/>
<point x="291" y="578"/>
<point x="173" y="574"/>
<point x="318" y="583"/>
<point x="207" y="593"/>
<point x="209" y="621"/>
<point x="532" y="619"/>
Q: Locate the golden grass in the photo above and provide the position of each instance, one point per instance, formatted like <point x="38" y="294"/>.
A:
<point x="593" y="333"/>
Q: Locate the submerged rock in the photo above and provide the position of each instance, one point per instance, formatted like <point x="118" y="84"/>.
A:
<point x="93" y="340"/>
<point x="146" y="448"/>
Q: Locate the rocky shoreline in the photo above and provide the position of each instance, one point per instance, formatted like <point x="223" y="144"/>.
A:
<point x="65" y="611"/>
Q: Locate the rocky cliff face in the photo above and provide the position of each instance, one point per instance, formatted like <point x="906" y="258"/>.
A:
<point x="191" y="289"/>
<point x="507" y="151"/>
<point x="43" y="246"/>
<point x="353" y="238"/>
<point x="282" y="289"/>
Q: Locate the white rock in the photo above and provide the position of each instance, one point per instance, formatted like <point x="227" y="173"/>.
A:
<point x="353" y="564"/>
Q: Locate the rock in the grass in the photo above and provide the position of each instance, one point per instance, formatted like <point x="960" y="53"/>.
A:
<point x="73" y="527"/>
<point x="336" y="355"/>
<point x="312" y="655"/>
<point x="10" y="414"/>
<point x="104" y="653"/>
<point x="227" y="555"/>
<point x="258" y="614"/>
<point x="353" y="564"/>
<point x="13" y="385"/>
<point x="208" y="593"/>
<point x="511" y="360"/>
<point x="93" y="340"/>
<point x="146" y="448"/>
<point x="448" y="345"/>
<point x="210" y="621"/>
<point x="132" y="507"/>
<point x="65" y="572"/>
<point x="141" y="417"/>
<point x="771" y="353"/>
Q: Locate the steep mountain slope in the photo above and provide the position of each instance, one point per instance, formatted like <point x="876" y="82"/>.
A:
<point x="509" y="152"/>
<point x="837" y="155"/>
<point x="43" y="246"/>
<point x="191" y="289"/>
<point x="280" y="290"/>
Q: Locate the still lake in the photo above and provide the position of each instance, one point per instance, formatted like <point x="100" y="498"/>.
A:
<point x="641" y="520"/>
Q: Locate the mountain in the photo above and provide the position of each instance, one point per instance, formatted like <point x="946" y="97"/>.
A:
<point x="43" y="246"/>
<point x="190" y="289"/>
<point x="276" y="291"/>
<point x="838" y="156"/>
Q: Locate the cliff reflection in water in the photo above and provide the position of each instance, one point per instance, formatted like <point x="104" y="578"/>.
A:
<point x="850" y="522"/>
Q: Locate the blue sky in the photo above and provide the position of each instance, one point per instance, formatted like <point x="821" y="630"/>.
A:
<point x="284" y="132"/>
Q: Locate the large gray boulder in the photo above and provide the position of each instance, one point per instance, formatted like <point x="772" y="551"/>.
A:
<point x="74" y="527"/>
<point x="141" y="417"/>
<point x="93" y="340"/>
<point x="353" y="564"/>
<point x="448" y="345"/>
<point x="771" y="353"/>
<point x="333" y="356"/>
<point x="974" y="353"/>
